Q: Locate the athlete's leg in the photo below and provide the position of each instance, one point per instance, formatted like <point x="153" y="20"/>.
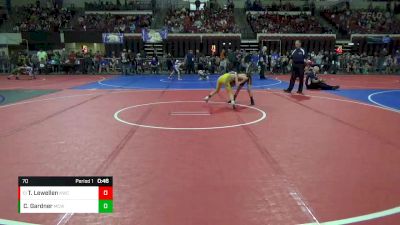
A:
<point x="230" y="94"/>
<point x="217" y="89"/>
<point x="179" y="75"/>
<point x="250" y="94"/>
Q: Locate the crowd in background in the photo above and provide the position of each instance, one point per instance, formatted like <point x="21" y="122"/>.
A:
<point x="127" y="62"/>
<point x="217" y="20"/>
<point x="112" y="23"/>
<point x="275" y="23"/>
<point x="372" y="20"/>
<point x="35" y="17"/>
<point x="381" y="62"/>
<point x="51" y="17"/>
<point x="120" y="5"/>
<point x="257" y="5"/>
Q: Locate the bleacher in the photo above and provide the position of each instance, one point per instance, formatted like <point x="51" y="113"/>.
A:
<point x="271" y="24"/>
<point x="207" y="21"/>
<point x="124" y="6"/>
<point x="112" y="23"/>
<point x="276" y="22"/>
<point x="363" y="21"/>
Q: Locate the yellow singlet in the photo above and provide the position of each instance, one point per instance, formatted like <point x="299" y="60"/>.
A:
<point x="225" y="80"/>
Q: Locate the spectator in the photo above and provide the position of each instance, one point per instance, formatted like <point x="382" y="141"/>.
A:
<point x="97" y="61"/>
<point x="381" y="60"/>
<point x="197" y="3"/>
<point x="87" y="63"/>
<point x="154" y="65"/>
<point x="140" y="63"/>
<point x="124" y="62"/>
<point x="262" y="62"/>
<point x="3" y="62"/>
<point x="114" y="62"/>
<point x="397" y="60"/>
<point x="56" y="62"/>
<point x="104" y="65"/>
<point x="43" y="58"/>
<point x="131" y="67"/>
<point x="189" y="61"/>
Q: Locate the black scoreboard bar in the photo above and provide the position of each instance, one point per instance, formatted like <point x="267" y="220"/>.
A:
<point x="64" y="181"/>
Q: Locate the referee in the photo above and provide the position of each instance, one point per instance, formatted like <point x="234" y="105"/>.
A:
<point x="297" y="57"/>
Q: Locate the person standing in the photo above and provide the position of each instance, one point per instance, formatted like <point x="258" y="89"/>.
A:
<point x="297" y="57"/>
<point x="189" y="61"/>
<point x="397" y="61"/>
<point x="131" y="68"/>
<point x="197" y="3"/>
<point x="124" y="62"/>
<point x="262" y="62"/>
<point x="2" y="62"/>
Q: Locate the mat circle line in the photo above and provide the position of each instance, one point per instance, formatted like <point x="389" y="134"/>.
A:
<point x="116" y="117"/>
<point x="370" y="98"/>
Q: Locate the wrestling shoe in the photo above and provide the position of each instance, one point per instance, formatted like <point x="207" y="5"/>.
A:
<point x="234" y="98"/>
<point x="233" y="104"/>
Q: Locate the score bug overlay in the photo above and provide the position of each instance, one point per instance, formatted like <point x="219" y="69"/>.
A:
<point x="65" y="194"/>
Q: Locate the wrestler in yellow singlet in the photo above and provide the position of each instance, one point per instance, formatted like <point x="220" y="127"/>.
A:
<point x="225" y="80"/>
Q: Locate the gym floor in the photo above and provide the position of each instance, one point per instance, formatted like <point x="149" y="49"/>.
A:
<point x="326" y="157"/>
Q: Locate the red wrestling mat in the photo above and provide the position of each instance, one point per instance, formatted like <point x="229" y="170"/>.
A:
<point x="311" y="158"/>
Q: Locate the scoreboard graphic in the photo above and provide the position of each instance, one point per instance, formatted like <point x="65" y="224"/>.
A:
<point x="65" y="194"/>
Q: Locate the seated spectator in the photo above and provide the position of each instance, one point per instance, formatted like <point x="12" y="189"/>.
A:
<point x="314" y="82"/>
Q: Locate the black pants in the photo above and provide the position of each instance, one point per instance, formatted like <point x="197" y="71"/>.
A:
<point x="321" y="85"/>
<point x="297" y="71"/>
<point x="262" y="71"/>
<point x="190" y="68"/>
